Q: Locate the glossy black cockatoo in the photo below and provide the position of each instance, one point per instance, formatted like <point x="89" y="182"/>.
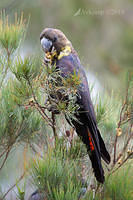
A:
<point x="67" y="61"/>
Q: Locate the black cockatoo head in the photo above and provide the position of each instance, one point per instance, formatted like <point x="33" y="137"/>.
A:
<point x="53" y="38"/>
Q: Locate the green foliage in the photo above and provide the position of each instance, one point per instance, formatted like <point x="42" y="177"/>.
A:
<point x="11" y="34"/>
<point x="16" y="121"/>
<point x="56" y="176"/>
<point x="21" y="92"/>
<point x="73" y="81"/>
<point x="59" y="93"/>
<point x="26" y="68"/>
<point x="119" y="185"/>
<point x="74" y="149"/>
<point x="25" y="71"/>
<point x="21" y="192"/>
<point x="107" y="112"/>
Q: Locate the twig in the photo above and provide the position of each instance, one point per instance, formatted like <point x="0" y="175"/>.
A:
<point x="118" y="126"/>
<point x="3" y="153"/>
<point x="7" y="151"/>
<point x="125" y="146"/>
<point x="120" y="123"/>
<point x="129" y="119"/>
<point x="20" y="178"/>
<point x="18" y="131"/>
<point x="43" y="114"/>
<point x="115" y="145"/>
<point x="42" y="108"/>
<point x="35" y="151"/>
<point x="39" y="108"/>
<point x="6" y="156"/>
<point x="54" y="127"/>
<point x="122" y="163"/>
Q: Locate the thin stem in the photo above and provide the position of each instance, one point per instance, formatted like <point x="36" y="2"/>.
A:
<point x="6" y="156"/>
<point x="20" y="178"/>
<point x="125" y="146"/>
<point x="120" y="123"/>
<point x="42" y="113"/>
<point x="118" y="126"/>
<point x="39" y="108"/>
<point x="3" y="153"/>
<point x="129" y="119"/>
<point x="35" y="151"/>
<point x="115" y="146"/>
<point x="122" y="163"/>
<point x="54" y="127"/>
<point x="7" y="151"/>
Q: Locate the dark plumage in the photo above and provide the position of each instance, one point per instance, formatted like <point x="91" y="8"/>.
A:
<point x="68" y="61"/>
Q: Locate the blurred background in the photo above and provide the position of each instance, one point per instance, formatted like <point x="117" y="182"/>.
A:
<point x="100" y="31"/>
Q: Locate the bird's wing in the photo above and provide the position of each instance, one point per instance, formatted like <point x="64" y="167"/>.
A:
<point x="67" y="65"/>
<point x="88" y="109"/>
<point x="87" y="130"/>
<point x="90" y="122"/>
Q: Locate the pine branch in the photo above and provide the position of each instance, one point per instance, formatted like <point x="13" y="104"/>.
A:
<point x="6" y="68"/>
<point x="38" y="107"/>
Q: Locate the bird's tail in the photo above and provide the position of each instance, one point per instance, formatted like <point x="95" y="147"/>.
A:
<point x="96" y="149"/>
<point x="95" y="158"/>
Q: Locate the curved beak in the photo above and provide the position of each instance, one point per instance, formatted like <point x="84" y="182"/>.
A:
<point x="46" y="44"/>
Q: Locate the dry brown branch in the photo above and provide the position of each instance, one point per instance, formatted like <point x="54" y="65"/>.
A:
<point x="120" y="122"/>
<point x="38" y="107"/>
<point x="125" y="146"/>
<point x="50" y="121"/>
<point x="122" y="163"/>
<point x="54" y="127"/>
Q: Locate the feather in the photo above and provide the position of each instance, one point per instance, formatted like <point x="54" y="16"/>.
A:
<point x="68" y="62"/>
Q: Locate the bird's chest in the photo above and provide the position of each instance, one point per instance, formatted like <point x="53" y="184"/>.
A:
<point x="67" y="65"/>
